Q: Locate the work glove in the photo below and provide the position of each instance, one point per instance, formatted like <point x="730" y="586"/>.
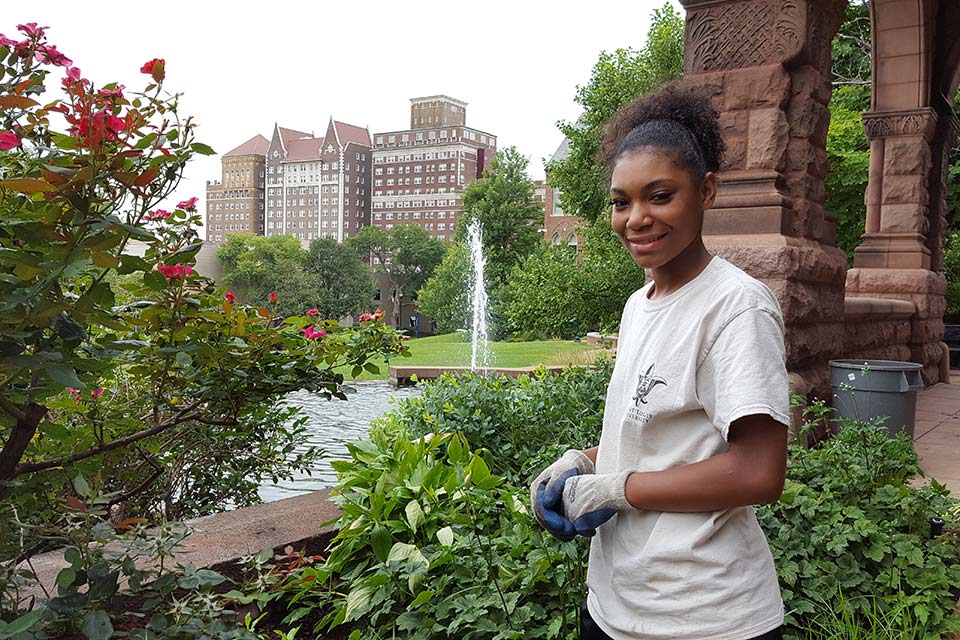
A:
<point x="546" y="492"/>
<point x="589" y="501"/>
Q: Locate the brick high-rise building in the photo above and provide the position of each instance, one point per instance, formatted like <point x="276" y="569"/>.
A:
<point x="420" y="173"/>
<point x="235" y="202"/>
<point x="318" y="187"/>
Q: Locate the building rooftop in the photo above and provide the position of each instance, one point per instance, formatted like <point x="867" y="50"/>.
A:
<point x="460" y="103"/>
<point x="347" y="133"/>
<point x="303" y="149"/>
<point x="257" y="145"/>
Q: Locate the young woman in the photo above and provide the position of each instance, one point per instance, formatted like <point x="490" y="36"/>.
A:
<point x="696" y="416"/>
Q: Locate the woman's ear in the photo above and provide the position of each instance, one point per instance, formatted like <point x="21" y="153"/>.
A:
<point x="708" y="190"/>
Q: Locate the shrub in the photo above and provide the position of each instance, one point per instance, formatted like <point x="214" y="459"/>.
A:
<point x="431" y="544"/>
<point x="849" y="524"/>
<point x="526" y="420"/>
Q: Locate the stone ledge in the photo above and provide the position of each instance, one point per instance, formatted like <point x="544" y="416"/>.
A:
<point x="404" y="376"/>
<point x="856" y="308"/>
<point x="227" y="536"/>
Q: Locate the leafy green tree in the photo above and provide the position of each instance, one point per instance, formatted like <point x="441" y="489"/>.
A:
<point x="617" y="78"/>
<point x="503" y="202"/>
<point x="543" y="293"/>
<point x="444" y="296"/>
<point x="557" y="293"/>
<point x="608" y="276"/>
<point x="848" y="152"/>
<point x="406" y="255"/>
<point x="256" y="266"/>
<point x="345" y="281"/>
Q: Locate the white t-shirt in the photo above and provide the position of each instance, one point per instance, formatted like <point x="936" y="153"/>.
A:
<point x="688" y="364"/>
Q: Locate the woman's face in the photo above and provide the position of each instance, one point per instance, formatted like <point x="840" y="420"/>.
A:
<point x="658" y="207"/>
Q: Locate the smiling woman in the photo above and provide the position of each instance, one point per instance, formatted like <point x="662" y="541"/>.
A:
<point x="694" y="425"/>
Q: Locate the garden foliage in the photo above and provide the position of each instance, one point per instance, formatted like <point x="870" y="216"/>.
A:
<point x="850" y="531"/>
<point x="435" y="537"/>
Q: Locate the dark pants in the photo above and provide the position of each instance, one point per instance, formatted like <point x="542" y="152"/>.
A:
<point x="590" y="631"/>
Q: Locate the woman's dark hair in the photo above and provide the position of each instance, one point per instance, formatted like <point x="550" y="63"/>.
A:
<point x="678" y="118"/>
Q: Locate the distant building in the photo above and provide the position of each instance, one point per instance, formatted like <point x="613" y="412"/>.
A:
<point x="559" y="228"/>
<point x="419" y="173"/>
<point x="235" y="202"/>
<point x="318" y="187"/>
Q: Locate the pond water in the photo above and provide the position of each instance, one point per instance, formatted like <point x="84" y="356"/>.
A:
<point x="332" y="424"/>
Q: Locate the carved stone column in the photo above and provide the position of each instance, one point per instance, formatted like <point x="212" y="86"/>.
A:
<point x="901" y="255"/>
<point x="766" y="66"/>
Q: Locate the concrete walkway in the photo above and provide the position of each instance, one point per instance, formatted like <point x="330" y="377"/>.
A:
<point x="937" y="432"/>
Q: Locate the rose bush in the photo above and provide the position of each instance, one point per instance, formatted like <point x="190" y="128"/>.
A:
<point x="127" y="377"/>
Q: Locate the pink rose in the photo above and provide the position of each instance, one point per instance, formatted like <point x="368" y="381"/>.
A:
<point x="188" y="205"/>
<point x="48" y="54"/>
<point x="312" y="312"/>
<point x="9" y="141"/>
<point x="31" y="29"/>
<point x="158" y="214"/>
<point x="96" y="393"/>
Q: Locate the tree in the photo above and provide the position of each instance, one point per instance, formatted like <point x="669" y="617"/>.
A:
<point x="406" y="255"/>
<point x="255" y="266"/>
<point x="554" y="293"/>
<point x="345" y="281"/>
<point x="503" y="202"/>
<point x="444" y="295"/>
<point x="617" y="78"/>
<point x="543" y="293"/>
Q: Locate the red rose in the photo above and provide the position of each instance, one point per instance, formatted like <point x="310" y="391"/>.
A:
<point x="9" y="141"/>
<point x="230" y="297"/>
<point x="154" y="68"/>
<point x="273" y="297"/>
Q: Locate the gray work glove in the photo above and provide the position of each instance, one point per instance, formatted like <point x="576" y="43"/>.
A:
<point x="546" y="492"/>
<point x="589" y="501"/>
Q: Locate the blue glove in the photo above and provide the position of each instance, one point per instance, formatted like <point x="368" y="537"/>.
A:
<point x="546" y="492"/>
<point x="589" y="501"/>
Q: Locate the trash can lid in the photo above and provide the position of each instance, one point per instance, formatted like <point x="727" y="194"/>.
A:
<point x="876" y="365"/>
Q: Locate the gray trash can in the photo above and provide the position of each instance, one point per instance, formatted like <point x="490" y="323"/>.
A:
<point x="864" y="389"/>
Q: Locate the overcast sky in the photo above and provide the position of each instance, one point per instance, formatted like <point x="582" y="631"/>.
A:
<point x="242" y="67"/>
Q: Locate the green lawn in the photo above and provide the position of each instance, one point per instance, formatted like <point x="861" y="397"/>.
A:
<point x="453" y="350"/>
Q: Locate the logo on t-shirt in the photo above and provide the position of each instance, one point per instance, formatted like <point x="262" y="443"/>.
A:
<point x="645" y="385"/>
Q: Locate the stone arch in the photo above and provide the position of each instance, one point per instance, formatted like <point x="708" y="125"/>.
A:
<point x="572" y="240"/>
<point x="911" y="128"/>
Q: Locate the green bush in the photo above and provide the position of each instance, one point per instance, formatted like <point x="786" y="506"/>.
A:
<point x="849" y="524"/>
<point x="528" y="420"/>
<point x="431" y="544"/>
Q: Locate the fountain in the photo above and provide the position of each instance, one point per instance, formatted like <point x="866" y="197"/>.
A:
<point x="477" y="299"/>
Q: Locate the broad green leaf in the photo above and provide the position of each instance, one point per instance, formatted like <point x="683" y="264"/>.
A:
<point x="97" y="626"/>
<point x="402" y="551"/>
<point x="63" y="375"/>
<point x="445" y="536"/>
<point x="358" y="602"/>
<point x="422" y="597"/>
<point x="415" y="516"/>
<point x="202" y="149"/>
<point x="381" y="541"/>
<point x="21" y="624"/>
<point x="81" y="486"/>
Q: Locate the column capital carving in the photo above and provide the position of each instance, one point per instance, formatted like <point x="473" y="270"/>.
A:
<point x="734" y="34"/>
<point x="889" y="124"/>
